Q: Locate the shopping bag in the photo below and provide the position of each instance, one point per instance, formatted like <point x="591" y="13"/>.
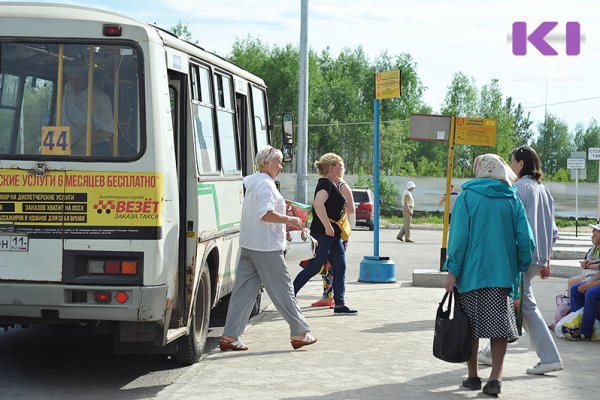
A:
<point x="571" y="324"/>
<point x="452" y="336"/>
<point x="563" y="307"/>
<point x="300" y="246"/>
<point x="295" y="209"/>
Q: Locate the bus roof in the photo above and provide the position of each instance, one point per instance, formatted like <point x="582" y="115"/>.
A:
<point x="62" y="11"/>
<point x="83" y="13"/>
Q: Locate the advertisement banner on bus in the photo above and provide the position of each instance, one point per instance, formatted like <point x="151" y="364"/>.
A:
<point x="82" y="204"/>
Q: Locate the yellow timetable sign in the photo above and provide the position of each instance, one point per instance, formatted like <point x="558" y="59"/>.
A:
<point x="387" y="84"/>
<point x="475" y="131"/>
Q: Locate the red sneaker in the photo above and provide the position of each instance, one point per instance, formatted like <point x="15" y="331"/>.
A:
<point x="323" y="303"/>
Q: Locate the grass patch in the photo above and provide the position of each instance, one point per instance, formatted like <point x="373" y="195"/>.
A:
<point x="562" y="222"/>
<point x="431" y="219"/>
<point x="436" y="219"/>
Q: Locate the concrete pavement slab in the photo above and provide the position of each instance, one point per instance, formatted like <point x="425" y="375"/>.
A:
<point x="384" y="352"/>
<point x="569" y="252"/>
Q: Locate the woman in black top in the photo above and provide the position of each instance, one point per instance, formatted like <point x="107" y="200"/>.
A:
<point x="328" y="203"/>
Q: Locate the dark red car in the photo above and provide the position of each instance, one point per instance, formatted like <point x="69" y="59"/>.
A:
<point x="365" y="206"/>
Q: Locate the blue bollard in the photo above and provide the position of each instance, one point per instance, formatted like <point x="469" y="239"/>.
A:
<point x="377" y="270"/>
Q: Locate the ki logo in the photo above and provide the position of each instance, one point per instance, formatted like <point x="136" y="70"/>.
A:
<point x="541" y="35"/>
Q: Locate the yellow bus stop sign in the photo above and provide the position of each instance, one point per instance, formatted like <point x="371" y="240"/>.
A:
<point x="387" y="84"/>
<point x="475" y="131"/>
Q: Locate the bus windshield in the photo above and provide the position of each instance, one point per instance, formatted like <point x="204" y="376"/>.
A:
<point x="67" y="101"/>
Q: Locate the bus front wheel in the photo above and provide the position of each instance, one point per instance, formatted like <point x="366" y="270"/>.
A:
<point x="191" y="347"/>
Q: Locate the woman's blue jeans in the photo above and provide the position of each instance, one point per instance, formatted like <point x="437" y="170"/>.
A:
<point x="330" y="248"/>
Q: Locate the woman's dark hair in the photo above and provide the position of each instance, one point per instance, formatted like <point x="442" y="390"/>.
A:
<point x="531" y="162"/>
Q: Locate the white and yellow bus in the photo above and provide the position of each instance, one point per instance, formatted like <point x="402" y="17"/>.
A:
<point x="122" y="152"/>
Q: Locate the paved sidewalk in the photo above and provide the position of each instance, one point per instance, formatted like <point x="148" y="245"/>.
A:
<point x="383" y="353"/>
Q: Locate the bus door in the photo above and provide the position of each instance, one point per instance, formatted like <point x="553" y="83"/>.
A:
<point x="179" y="101"/>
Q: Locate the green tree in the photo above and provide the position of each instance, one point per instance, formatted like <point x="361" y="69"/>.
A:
<point x="339" y="105"/>
<point x="553" y="144"/>
<point x="521" y="122"/>
<point x="584" y="139"/>
<point x="491" y="105"/>
<point x="462" y="97"/>
<point x="278" y="66"/>
<point x="399" y="154"/>
<point x="340" y="101"/>
<point x="462" y="100"/>
<point x="388" y="192"/>
<point x="182" y="30"/>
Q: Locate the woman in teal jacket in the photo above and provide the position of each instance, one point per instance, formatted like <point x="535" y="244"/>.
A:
<point x="490" y="244"/>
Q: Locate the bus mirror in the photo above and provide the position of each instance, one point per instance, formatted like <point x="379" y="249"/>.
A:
<point x="287" y="137"/>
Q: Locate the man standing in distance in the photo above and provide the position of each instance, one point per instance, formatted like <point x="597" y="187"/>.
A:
<point x="408" y="209"/>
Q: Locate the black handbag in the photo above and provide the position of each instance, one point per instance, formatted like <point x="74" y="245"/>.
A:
<point x="452" y="337"/>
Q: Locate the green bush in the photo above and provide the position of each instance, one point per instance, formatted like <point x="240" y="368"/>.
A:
<point x="388" y="192"/>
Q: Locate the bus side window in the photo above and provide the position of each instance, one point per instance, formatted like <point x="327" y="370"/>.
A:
<point x="202" y="120"/>
<point x="261" y="120"/>
<point x="226" y="124"/>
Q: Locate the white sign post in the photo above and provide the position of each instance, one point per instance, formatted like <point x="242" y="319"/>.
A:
<point x="594" y="154"/>
<point x="576" y="164"/>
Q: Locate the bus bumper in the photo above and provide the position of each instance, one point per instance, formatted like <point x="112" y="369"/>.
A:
<point x="43" y="303"/>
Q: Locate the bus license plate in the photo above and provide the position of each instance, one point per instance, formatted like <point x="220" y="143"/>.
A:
<point x="14" y="243"/>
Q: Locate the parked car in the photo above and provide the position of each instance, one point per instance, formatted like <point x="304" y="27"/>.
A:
<point x="365" y="206"/>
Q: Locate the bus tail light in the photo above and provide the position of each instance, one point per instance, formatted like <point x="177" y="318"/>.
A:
<point x="102" y="297"/>
<point x="129" y="267"/>
<point x="121" y="297"/>
<point x="103" y="268"/>
<point x="112" y="267"/>
<point x="111" y="30"/>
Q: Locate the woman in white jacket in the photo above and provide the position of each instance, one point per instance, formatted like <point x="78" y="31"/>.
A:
<point x="262" y="242"/>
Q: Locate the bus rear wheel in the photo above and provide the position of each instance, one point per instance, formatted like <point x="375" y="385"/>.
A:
<point x="191" y="347"/>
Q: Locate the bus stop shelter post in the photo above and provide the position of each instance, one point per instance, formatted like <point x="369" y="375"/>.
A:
<point x="376" y="176"/>
<point x="576" y="201"/>
<point x="376" y="269"/>
<point x="444" y="248"/>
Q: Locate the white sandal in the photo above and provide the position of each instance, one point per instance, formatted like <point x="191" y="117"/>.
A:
<point x="225" y="344"/>
<point x="307" y="340"/>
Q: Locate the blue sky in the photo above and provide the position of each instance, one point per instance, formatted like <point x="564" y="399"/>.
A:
<point x="443" y="37"/>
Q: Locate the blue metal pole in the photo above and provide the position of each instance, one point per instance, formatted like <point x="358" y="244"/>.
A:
<point x="376" y="176"/>
<point x="374" y="268"/>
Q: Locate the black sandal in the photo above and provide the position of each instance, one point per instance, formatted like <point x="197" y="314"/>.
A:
<point x="492" y="388"/>
<point x="472" y="383"/>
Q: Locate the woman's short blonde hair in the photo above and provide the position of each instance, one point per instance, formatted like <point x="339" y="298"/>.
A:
<point x="327" y="161"/>
<point x="265" y="155"/>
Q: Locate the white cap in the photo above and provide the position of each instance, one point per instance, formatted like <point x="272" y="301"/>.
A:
<point x="596" y="227"/>
<point x="410" y="185"/>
